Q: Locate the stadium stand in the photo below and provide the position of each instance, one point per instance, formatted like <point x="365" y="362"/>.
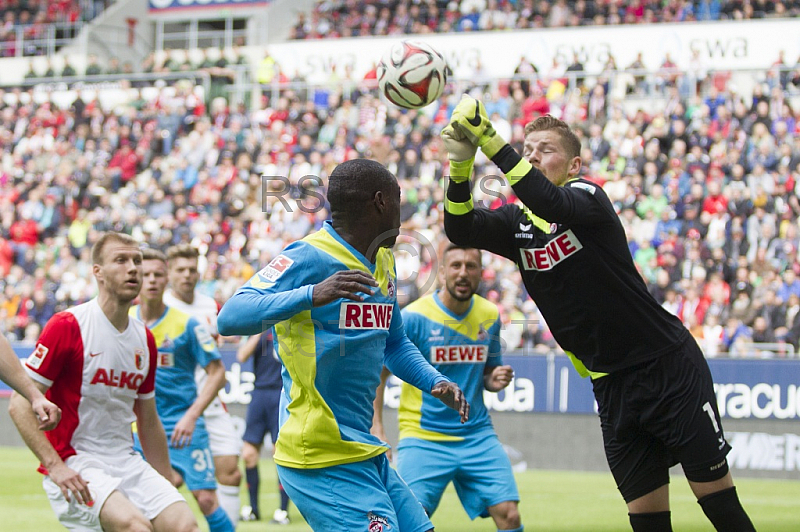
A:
<point x="349" y="18"/>
<point x="706" y="187"/>
<point x="31" y="28"/>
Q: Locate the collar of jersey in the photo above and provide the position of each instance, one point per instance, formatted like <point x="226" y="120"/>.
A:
<point x="449" y="312"/>
<point x="155" y="323"/>
<point x="103" y="317"/>
<point x="328" y="227"/>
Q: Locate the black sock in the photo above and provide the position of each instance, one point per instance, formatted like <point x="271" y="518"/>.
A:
<point x="725" y="511"/>
<point x="253" y="480"/>
<point x="284" y="497"/>
<point x="651" y="522"/>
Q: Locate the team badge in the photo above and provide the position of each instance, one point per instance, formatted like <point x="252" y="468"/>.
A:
<point x="139" y="357"/>
<point x="553" y="228"/>
<point x="391" y="290"/>
<point x="481" y="333"/>
<point x="37" y="357"/>
<point x="377" y="523"/>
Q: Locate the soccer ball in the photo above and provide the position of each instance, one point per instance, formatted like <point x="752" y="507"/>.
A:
<point x="412" y="74"/>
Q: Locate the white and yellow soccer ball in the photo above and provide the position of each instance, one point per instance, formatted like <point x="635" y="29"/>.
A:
<point x="412" y="74"/>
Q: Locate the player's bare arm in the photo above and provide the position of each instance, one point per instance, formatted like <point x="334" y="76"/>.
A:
<point x="247" y="349"/>
<point x="450" y="394"/>
<point x="66" y="479"/>
<point x="343" y="284"/>
<point x="11" y="373"/>
<point x="152" y="436"/>
<point x="495" y="378"/>
<point x="182" y="434"/>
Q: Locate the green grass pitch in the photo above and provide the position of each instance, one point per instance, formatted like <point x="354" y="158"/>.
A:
<point x="552" y="501"/>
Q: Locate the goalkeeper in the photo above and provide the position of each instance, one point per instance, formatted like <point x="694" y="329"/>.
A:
<point x="653" y="387"/>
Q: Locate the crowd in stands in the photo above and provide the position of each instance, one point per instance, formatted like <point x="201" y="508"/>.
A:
<point x="27" y="22"/>
<point x="351" y="18"/>
<point x="706" y="189"/>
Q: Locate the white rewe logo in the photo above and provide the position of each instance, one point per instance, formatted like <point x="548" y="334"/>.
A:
<point x="560" y="248"/>
<point x="365" y="316"/>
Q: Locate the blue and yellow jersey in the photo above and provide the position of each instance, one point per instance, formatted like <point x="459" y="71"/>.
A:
<point x="332" y="354"/>
<point x="183" y="343"/>
<point x="460" y="347"/>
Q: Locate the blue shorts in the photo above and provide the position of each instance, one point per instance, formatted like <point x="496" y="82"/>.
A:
<point x="194" y="461"/>
<point x="478" y="467"/>
<point x="366" y="496"/>
<point x="262" y="415"/>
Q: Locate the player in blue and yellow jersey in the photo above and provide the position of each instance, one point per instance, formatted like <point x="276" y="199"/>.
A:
<point x="183" y="343"/>
<point x="459" y="332"/>
<point x="331" y="298"/>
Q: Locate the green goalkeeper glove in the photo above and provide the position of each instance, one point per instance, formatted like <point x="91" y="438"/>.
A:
<point x="461" y="153"/>
<point x="469" y="118"/>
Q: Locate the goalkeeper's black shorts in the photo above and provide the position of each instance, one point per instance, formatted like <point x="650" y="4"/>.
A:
<point x="659" y="414"/>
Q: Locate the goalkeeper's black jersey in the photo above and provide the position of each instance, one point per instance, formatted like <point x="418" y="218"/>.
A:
<point x="575" y="262"/>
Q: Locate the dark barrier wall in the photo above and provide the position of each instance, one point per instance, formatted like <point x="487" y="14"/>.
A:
<point x="759" y="401"/>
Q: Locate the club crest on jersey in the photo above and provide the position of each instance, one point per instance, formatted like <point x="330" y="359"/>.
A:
<point x="276" y="267"/>
<point x="139" y="358"/>
<point x="365" y="315"/>
<point x="553" y="228"/>
<point x="554" y="252"/>
<point x="377" y="523"/>
<point x="37" y="357"/>
<point x="481" y="333"/>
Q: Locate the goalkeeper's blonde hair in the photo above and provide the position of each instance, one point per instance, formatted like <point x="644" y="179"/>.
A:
<point x="569" y="141"/>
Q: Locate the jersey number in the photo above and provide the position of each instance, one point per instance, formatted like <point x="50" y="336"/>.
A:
<point x="201" y="457"/>
<point x="710" y="412"/>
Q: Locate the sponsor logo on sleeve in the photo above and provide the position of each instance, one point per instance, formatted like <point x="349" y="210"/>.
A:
<point x="37" y="357"/>
<point x="204" y="338"/>
<point x="365" y="316"/>
<point x="554" y="252"/>
<point x="277" y="266"/>
<point x="591" y="189"/>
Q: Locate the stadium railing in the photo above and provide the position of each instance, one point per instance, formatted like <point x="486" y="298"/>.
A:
<point x="56" y="35"/>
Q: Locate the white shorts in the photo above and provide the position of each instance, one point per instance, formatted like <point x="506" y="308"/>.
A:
<point x="129" y="474"/>
<point x="224" y="437"/>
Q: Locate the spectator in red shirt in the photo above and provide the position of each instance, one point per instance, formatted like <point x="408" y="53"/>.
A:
<point x="24" y="232"/>
<point x="715" y="202"/>
<point x="123" y="165"/>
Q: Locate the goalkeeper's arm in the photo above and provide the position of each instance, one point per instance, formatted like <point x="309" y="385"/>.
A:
<point x="531" y="186"/>
<point x="463" y="224"/>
